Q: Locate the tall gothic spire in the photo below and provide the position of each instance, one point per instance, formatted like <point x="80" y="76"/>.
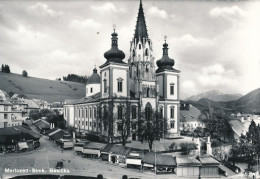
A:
<point x="140" y="28"/>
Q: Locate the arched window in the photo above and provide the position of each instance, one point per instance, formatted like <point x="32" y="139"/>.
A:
<point x="148" y="111"/>
<point x="95" y="113"/>
<point x="133" y="53"/>
<point x="90" y="113"/>
<point x="148" y="92"/>
<point x="172" y="124"/>
<point x="172" y="88"/>
<point x="119" y="112"/>
<point x="139" y="46"/>
<point x="172" y="112"/>
<point x="147" y="68"/>
<point x="105" y="86"/>
<point x="161" y="112"/>
<point x="120" y="84"/>
<point x="105" y="116"/>
<point x="86" y="113"/>
<point x="133" y="112"/>
<point x="146" y="52"/>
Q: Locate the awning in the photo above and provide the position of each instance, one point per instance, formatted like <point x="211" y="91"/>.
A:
<point x="68" y="145"/>
<point x="91" y="151"/>
<point x="147" y="165"/>
<point x="133" y="161"/>
<point x="23" y="145"/>
<point x="78" y="148"/>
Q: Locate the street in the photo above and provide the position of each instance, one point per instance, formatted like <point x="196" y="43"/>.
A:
<point x="47" y="156"/>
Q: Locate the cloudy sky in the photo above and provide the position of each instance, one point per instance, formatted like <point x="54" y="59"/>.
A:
<point x="216" y="45"/>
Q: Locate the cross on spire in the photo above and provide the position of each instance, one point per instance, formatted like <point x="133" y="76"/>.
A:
<point x="114" y="27"/>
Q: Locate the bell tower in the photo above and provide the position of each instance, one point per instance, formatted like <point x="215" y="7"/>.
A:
<point x="114" y="72"/>
<point x="141" y="60"/>
<point x="169" y="91"/>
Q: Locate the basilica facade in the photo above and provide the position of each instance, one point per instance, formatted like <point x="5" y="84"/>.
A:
<point x="129" y="91"/>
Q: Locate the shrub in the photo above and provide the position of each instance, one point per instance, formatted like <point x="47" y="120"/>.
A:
<point x="172" y="146"/>
<point x="24" y="73"/>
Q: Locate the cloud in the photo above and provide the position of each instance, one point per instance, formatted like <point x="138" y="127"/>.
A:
<point x="106" y="8"/>
<point x="216" y="75"/>
<point x="157" y="12"/>
<point x="44" y="9"/>
<point x="190" y="40"/>
<point x="188" y="84"/>
<point x="84" y="24"/>
<point x="214" y="69"/>
<point x="229" y="13"/>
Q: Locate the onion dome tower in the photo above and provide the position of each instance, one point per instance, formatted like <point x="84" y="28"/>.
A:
<point x="93" y="84"/>
<point x="169" y="80"/>
<point x="94" y="78"/>
<point x="114" y="54"/>
<point x="114" y="72"/>
<point x="165" y="63"/>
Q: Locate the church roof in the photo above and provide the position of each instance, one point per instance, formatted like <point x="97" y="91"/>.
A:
<point x="93" y="98"/>
<point x="114" y="54"/>
<point x="140" y="28"/>
<point x="165" y="63"/>
<point x="94" y="78"/>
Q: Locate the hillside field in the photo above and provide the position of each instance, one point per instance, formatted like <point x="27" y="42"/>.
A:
<point x="49" y="90"/>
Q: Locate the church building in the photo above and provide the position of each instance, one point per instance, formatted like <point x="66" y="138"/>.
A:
<point x="124" y="93"/>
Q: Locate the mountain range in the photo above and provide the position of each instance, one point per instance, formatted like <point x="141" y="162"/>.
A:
<point x="249" y="103"/>
<point x="214" y="95"/>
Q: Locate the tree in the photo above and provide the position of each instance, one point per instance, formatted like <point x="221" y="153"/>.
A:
<point x="124" y="123"/>
<point x="107" y="119"/>
<point x="75" y="78"/>
<point x="186" y="148"/>
<point x="150" y="126"/>
<point x="24" y="73"/>
<point x="234" y="153"/>
<point x="173" y="146"/>
<point x="11" y="93"/>
<point x="5" y="68"/>
<point x="34" y="114"/>
<point x="248" y="146"/>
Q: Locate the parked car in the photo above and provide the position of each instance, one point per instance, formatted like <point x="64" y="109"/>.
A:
<point x="223" y="172"/>
<point x="232" y="167"/>
<point x="59" y="165"/>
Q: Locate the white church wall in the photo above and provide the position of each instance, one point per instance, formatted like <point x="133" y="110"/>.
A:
<point x="150" y="100"/>
<point x="175" y="118"/>
<point x="172" y="79"/>
<point x="70" y="115"/>
<point x="95" y="89"/>
<point x="119" y="74"/>
<point x="160" y="82"/>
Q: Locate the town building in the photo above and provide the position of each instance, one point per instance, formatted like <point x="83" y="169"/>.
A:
<point x="57" y="106"/>
<point x="189" y="118"/>
<point x="8" y="115"/>
<point x="18" y="138"/>
<point x="134" y="89"/>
